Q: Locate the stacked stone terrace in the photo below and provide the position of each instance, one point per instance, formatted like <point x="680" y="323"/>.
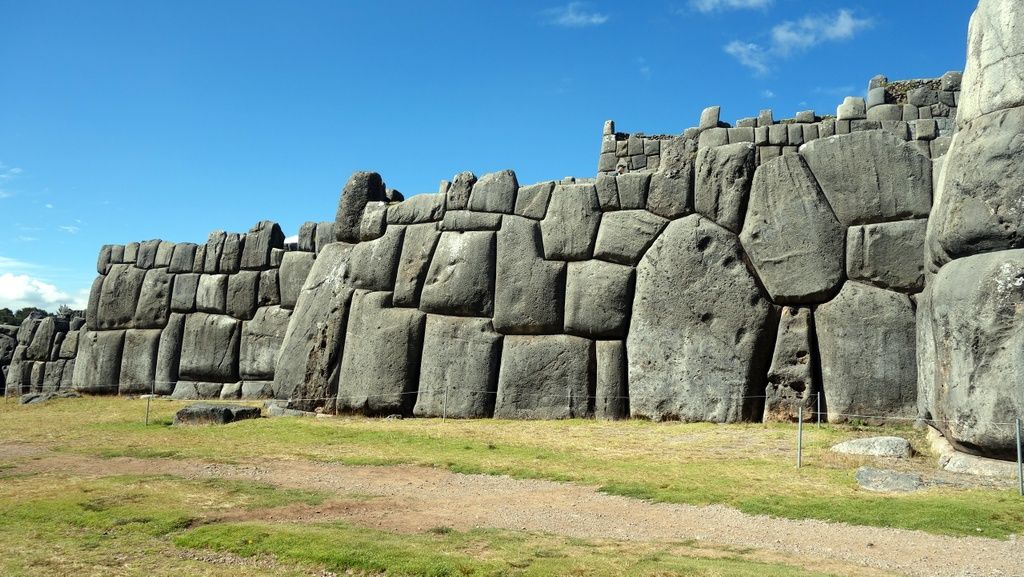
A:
<point x="39" y="356"/>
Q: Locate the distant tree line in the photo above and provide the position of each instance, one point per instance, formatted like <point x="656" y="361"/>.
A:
<point x="9" y="317"/>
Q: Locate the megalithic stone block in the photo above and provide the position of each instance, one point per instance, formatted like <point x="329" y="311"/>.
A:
<point x="261" y="341"/>
<point x="529" y="292"/>
<point x="154" y="300"/>
<point x="793" y="378"/>
<point x="98" y="364"/>
<point x="362" y="187"/>
<point x="209" y="348"/>
<point x="168" y="356"/>
<point x="570" y="226"/>
<point x="545" y="377"/>
<point x="460" y="280"/>
<point x="138" y="363"/>
<point x="459" y="368"/>
<point x="259" y="242"/>
<point x="292" y="276"/>
<point x="417" y="250"/>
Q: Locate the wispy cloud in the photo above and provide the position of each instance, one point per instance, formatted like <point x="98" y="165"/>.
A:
<point x="574" y="15"/>
<point x="70" y="229"/>
<point x="767" y="94"/>
<point x="48" y="205"/>
<point x="645" y="68"/>
<point x="716" y="5"/>
<point x="794" y="36"/>
<point x="22" y="290"/>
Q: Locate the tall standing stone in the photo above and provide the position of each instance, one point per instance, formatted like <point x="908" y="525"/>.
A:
<point x="259" y="242"/>
<point x="793" y="375"/>
<point x="362" y="187"/>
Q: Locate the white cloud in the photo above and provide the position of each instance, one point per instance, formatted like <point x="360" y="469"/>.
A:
<point x="21" y="290"/>
<point x="294" y="239"/>
<point x="768" y="94"/>
<point x="715" y="5"/>
<point x="70" y="229"/>
<point x="574" y="15"/>
<point x="793" y="36"/>
<point x="48" y="205"/>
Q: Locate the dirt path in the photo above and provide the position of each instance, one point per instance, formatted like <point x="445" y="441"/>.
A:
<point x="415" y="499"/>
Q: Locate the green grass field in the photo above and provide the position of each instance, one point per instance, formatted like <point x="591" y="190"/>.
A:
<point x="55" y="524"/>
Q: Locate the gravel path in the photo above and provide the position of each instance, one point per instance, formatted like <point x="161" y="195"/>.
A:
<point x="415" y="499"/>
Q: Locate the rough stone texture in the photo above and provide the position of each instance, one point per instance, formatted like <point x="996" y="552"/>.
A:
<point x="262" y="338"/>
<point x="976" y="316"/>
<point x="632" y="189"/>
<point x="324" y="235"/>
<point x="43" y="337"/>
<point x="625" y="235"/>
<point x="995" y="58"/>
<point x="200" y="259"/>
<point x="209" y="348"/>
<point x="465" y="220"/>
<point x="570" y="226"/>
<point x="219" y="414"/>
<point x="254" y="390"/>
<point x="460" y="280"/>
<point x="259" y="243"/>
<point x="231" y="258"/>
<point x="68" y="347"/>
<point x="183" y="293"/>
<point x="883" y="481"/>
<point x="891" y="447"/>
<point x="866" y="342"/>
<point x="307" y="236"/>
<point x="212" y="294"/>
<point x="417" y="250"/>
<point x="598" y="299"/>
<point x="671" y="189"/>
<point x="980" y="207"/>
<point x="292" y="276"/>
<point x="532" y="201"/>
<point x="529" y="292"/>
<point x="138" y="362"/>
<point x="269" y="293"/>
<point x="495" y="192"/>
<point x="154" y="300"/>
<point x="611" y="398"/>
<point x="169" y="355"/>
<point x="459" y="368"/>
<point x="362" y="187"/>
<point x="417" y="209"/>
<point x="545" y="377"/>
<point x="118" y="297"/>
<point x="188" y="390"/>
<point x="98" y="364"/>
<point x="790" y="234"/>
<point x="870" y="176"/>
<point x="183" y="258"/>
<point x="146" y="258"/>
<point x="701" y="328"/>
<point x="307" y="366"/>
<point x="164" y="252"/>
<point x="380" y="368"/>
<point x="888" y="255"/>
<point x="722" y="183"/>
<point x="373" y="264"/>
<point x="214" y="250"/>
<point x="459" y="191"/>
<point x="793" y="377"/>
<point x="925" y="354"/>
<point x="243" y="289"/>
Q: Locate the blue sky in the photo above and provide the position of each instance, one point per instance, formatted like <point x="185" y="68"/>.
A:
<point x="126" y="121"/>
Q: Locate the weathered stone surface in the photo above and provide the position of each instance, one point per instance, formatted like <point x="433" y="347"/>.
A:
<point x="459" y="191"/>
<point x="138" y="363"/>
<point x="976" y="316"/>
<point x="92" y="310"/>
<point x="925" y="353"/>
<point x="632" y="189"/>
<point x="793" y="239"/>
<point x="380" y="368"/>
<point x="199" y="265"/>
<point x="254" y="390"/>
<point x="292" y="276"/>
<point x="230" y="391"/>
<point x="793" y="377"/>
<point x="598" y="298"/>
<point x="98" y="364"/>
<point x="459" y="368"/>
<point x="183" y="293"/>
<point x="209" y="348"/>
<point x="625" y="235"/>
<point x="671" y="188"/>
<point x="187" y="390"/>
<point x="866" y="342"/>
<point x="131" y="253"/>
<point x="262" y="338"/>
<point x="722" y="183"/>
<point x="212" y="294"/>
<point x="307" y="366"/>
<point x="465" y="220"/>
<point x="164" y="252"/>
<point x="103" y="261"/>
<point x="884" y="481"/>
<point x="700" y="336"/>
<point x="374" y="264"/>
<point x="242" y="292"/>
<point x="168" y="355"/>
<point x="53" y="371"/>
<point x="460" y="280"/>
<point x="214" y="250"/>
<point x="545" y="377"/>
<point x="362" y="187"/>
<point x="154" y="300"/>
<point x="607" y="193"/>
<point x="870" y="176"/>
<point x="888" y="255"/>
<point x="231" y="257"/>
<point x="570" y="227"/>
<point x="269" y="293"/>
<point x="495" y="192"/>
<point x="43" y="337"/>
<point x="417" y="209"/>
<point x="146" y="258"/>
<point x="68" y="347"/>
<point x="417" y="250"/>
<point x="307" y="237"/>
<point x="118" y="297"/>
<point x="375" y="221"/>
<point x="611" y="398"/>
<point x="980" y="207"/>
<point x="992" y="77"/>
<point x="259" y="243"/>
<point x="219" y="414"/>
<point x="852" y="108"/>
<point x="183" y="259"/>
<point x="324" y="235"/>
<point x="891" y="447"/>
<point x="529" y="291"/>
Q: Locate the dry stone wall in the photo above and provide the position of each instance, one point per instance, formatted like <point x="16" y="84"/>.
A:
<point x="39" y="356"/>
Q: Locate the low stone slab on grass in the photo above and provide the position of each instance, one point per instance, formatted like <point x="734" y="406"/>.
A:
<point x="37" y="398"/>
<point x="883" y="481"/>
<point x="893" y="447"/>
<point x="214" y="414"/>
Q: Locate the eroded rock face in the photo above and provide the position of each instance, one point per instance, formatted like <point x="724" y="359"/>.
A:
<point x="262" y="338"/>
<point x="529" y="292"/>
<point x="361" y="188"/>
<point x="793" y="375"/>
<point x="545" y="377"/>
<point x="888" y="255"/>
<point x="793" y="239"/>
<point x="992" y="78"/>
<point x="417" y="250"/>
<point x="460" y="280"/>
<point x="570" y="226"/>
<point x="98" y="365"/>
<point x="723" y="179"/>
<point x="459" y="370"/>
<point x="625" y="235"/>
<point x="700" y="336"/>
<point x="209" y="348"/>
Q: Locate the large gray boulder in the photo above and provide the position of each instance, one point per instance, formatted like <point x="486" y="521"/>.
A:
<point x="380" y="367"/>
<point x="598" y="299"/>
<point x="529" y="291"/>
<point x="212" y="293"/>
<point x="375" y="221"/>
<point x="168" y="355"/>
<point x="611" y="398"/>
<point x="995" y="57"/>
<point x="888" y="255"/>
<point x="231" y="257"/>
<point x="214" y="250"/>
<point x="632" y="189"/>
<point x="495" y="192"/>
<point x="888" y="447"/>
<point x="260" y="241"/>
<point x="374" y="264"/>
<point x="138" y="363"/>
<point x="98" y="364"/>
<point x="460" y="280"/>
<point x="417" y="209"/>
<point x="209" y="348"/>
<point x="866" y="339"/>
<point x="310" y="356"/>
<point x="925" y="353"/>
<point x="700" y="336"/>
<point x="183" y="293"/>
<point x="43" y="337"/>
<point x="545" y="377"/>
<point x="722" y="183"/>
<point x="243" y="289"/>
<point x="417" y="250"/>
<point x="292" y="275"/>
<point x="793" y="375"/>
<point x="532" y="201"/>
<point x="269" y="293"/>
<point x="119" y="296"/>
<point x="977" y="311"/>
<point x="570" y="226"/>
<point x="625" y="235"/>
<point x="459" y="368"/>
<point x="457" y="196"/>
<point x="362" y="187"/>
<point x="214" y="414"/>
<point x="261" y="342"/>
<point x="154" y="300"/>
<point x="870" y="176"/>
<point x="671" y="188"/>
<point x="183" y="258"/>
<point x="792" y="238"/>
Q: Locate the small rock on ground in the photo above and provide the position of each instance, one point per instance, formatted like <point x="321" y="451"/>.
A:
<point x="211" y="414"/>
<point x="883" y="481"/>
<point x="894" y="447"/>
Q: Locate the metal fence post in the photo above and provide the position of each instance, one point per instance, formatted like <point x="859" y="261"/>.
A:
<point x="800" y="438"/>
<point x="1020" y="467"/>
<point x="444" y="408"/>
<point x="818" y="398"/>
